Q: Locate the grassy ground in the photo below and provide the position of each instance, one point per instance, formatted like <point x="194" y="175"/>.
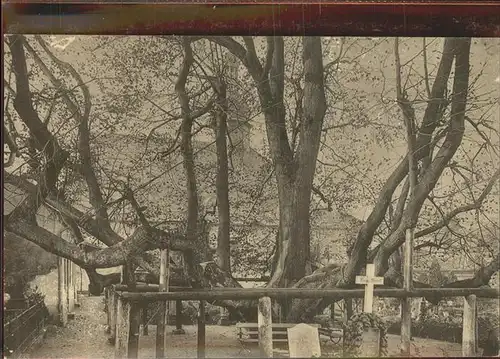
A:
<point x="84" y="337"/>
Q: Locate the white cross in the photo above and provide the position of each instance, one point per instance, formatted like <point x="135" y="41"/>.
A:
<point x="370" y="281"/>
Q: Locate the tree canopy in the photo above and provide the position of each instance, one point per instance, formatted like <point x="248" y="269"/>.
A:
<point x="144" y="142"/>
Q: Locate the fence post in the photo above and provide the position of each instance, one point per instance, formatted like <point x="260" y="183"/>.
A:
<point x="162" y="310"/>
<point x="145" y="319"/>
<point x="107" y="300"/>
<point x="406" y="302"/>
<point x="264" y="320"/>
<point x="201" y="330"/>
<point x="178" y="318"/>
<point x="134" y="324"/>
<point x="348" y="309"/>
<point x="122" y="329"/>
<point x="113" y="310"/>
<point x="469" y="326"/>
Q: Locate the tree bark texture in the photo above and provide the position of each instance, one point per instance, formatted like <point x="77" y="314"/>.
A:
<point x="223" y="250"/>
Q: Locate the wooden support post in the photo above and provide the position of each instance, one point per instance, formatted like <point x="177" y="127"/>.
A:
<point x="406" y="302"/>
<point x="71" y="292"/>
<point x="122" y="329"/>
<point x="134" y="324"/>
<point x="61" y="291"/>
<point x="114" y="313"/>
<point x="264" y="320"/>
<point x="162" y="311"/>
<point x="75" y="287"/>
<point x="201" y="330"/>
<point x="348" y="309"/>
<point x="107" y="300"/>
<point x="123" y="274"/>
<point x="469" y="326"/>
<point x="178" y="318"/>
<point x="145" y="319"/>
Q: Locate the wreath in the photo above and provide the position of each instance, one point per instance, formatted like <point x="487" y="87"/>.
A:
<point x="353" y="333"/>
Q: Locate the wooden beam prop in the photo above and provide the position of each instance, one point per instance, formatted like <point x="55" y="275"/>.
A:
<point x="162" y="311"/>
<point x="469" y="326"/>
<point x="201" y="331"/>
<point x="264" y="320"/>
<point x="331" y="294"/>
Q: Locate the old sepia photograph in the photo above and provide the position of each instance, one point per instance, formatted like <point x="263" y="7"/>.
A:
<point x="250" y="196"/>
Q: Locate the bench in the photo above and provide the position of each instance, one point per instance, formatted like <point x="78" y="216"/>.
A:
<point x="249" y="332"/>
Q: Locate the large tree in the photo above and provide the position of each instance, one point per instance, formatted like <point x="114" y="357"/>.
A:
<point x="293" y="153"/>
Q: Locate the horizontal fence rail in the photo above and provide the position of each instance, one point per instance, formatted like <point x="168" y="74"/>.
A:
<point x="150" y="288"/>
<point x="22" y="330"/>
<point x="290" y="293"/>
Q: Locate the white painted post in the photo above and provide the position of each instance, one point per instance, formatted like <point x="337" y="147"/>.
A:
<point x="469" y="326"/>
<point x="369" y="280"/>
<point x="264" y="320"/>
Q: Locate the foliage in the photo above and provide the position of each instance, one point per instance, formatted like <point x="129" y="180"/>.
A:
<point x="447" y="329"/>
<point x="23" y="261"/>
<point x="134" y="121"/>
<point x="435" y="276"/>
<point x="353" y="332"/>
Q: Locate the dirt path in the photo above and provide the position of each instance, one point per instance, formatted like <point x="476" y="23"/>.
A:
<point x="85" y="337"/>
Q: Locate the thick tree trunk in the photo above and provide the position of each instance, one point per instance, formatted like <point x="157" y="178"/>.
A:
<point x="295" y="179"/>
<point x="186" y="143"/>
<point x="222" y="181"/>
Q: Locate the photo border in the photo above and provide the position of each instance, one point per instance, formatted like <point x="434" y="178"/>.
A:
<point x="328" y="18"/>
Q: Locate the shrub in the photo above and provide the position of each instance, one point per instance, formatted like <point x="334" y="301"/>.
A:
<point x="446" y="329"/>
<point x="354" y="329"/>
<point x="23" y="261"/>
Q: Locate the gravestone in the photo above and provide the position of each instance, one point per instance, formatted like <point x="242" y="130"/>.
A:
<point x="303" y="341"/>
<point x="370" y="346"/>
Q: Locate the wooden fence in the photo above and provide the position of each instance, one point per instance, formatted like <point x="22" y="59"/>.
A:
<point x="23" y="329"/>
<point x="123" y="307"/>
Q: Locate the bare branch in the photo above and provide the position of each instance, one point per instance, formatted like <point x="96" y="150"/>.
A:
<point x="43" y="140"/>
<point x="252" y="58"/>
<point x="462" y="209"/>
<point x="409" y="119"/>
<point x="444" y="155"/>
<point x="426" y="71"/>
<point x="186" y="136"/>
<point x="232" y="45"/>
<point x="14" y="150"/>
<point x="95" y="194"/>
<point x="269" y="57"/>
<point x="138" y="209"/>
<point x="118" y="254"/>
<point x="323" y="198"/>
